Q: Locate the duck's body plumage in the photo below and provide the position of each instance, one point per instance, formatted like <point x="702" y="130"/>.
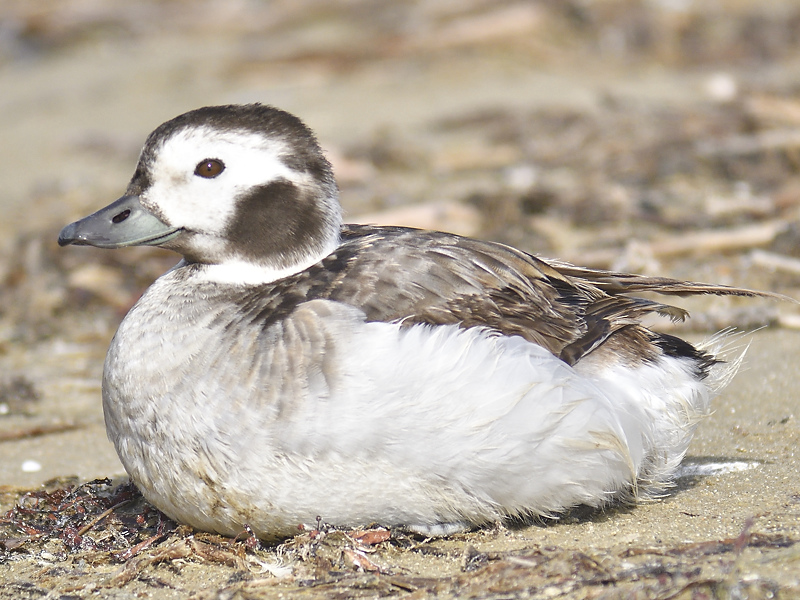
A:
<point x="290" y="368"/>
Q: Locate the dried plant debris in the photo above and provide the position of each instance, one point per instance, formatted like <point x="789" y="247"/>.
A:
<point x="17" y="395"/>
<point x="686" y="34"/>
<point x="626" y="161"/>
<point x="98" y="535"/>
<point x="39" y="283"/>
<point x="70" y="513"/>
<point x="558" y="179"/>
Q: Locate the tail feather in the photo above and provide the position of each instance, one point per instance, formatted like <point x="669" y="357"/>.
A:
<point x="612" y="282"/>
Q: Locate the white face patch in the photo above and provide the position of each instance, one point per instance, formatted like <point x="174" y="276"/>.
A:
<point x="206" y="206"/>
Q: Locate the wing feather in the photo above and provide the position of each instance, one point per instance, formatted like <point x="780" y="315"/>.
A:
<point x="422" y="277"/>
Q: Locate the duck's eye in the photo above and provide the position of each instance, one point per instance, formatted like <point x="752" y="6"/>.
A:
<point x="209" y="168"/>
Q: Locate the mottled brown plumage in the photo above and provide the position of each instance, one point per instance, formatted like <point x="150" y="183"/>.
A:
<point x="424" y="277"/>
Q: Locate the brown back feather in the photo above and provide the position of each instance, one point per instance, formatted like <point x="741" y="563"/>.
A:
<point x="422" y="277"/>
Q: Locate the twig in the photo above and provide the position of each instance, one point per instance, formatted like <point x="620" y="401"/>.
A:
<point x="699" y="242"/>
<point x="778" y="262"/>
<point x="718" y="240"/>
<point x="37" y="430"/>
<point x="101" y="516"/>
<point x="133" y="550"/>
<point x="742" y="145"/>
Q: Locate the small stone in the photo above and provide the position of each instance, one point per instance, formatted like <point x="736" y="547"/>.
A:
<point x="31" y="466"/>
<point x="722" y="87"/>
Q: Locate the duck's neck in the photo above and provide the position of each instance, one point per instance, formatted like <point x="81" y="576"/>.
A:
<point x="238" y="271"/>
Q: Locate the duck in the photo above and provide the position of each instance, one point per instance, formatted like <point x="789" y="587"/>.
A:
<point x="292" y="368"/>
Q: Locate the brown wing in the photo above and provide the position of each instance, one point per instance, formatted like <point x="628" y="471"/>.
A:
<point x="412" y="276"/>
<point x="437" y="278"/>
<point x="397" y="274"/>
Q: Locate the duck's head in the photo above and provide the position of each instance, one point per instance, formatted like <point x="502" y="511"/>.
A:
<point x="242" y="189"/>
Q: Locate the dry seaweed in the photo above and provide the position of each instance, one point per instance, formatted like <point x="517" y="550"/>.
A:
<point x="101" y="524"/>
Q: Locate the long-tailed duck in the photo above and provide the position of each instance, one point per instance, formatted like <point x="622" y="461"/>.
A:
<point x="291" y="367"/>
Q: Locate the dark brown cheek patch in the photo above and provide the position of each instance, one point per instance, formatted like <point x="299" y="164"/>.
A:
<point x="277" y="219"/>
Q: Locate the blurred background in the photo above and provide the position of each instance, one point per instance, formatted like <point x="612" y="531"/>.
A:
<point x="656" y="136"/>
